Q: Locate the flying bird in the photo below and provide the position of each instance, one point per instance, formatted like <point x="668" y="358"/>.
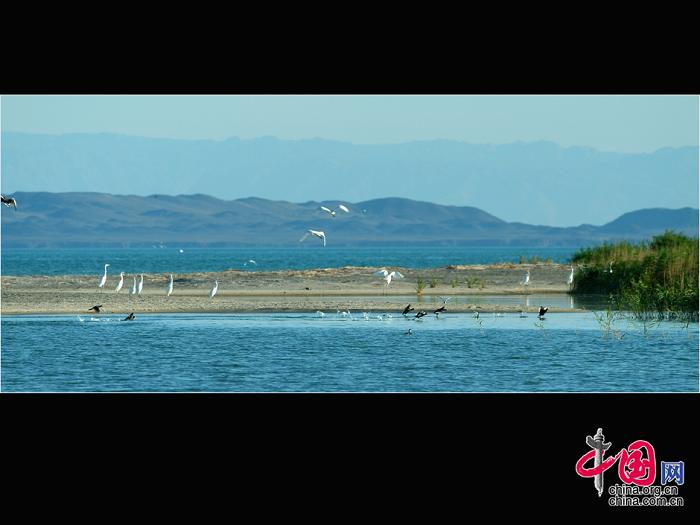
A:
<point x="129" y="317"/>
<point x="543" y="311"/>
<point x="387" y="276"/>
<point x="95" y="308"/>
<point x="407" y="309"/>
<point x="212" y="292"/>
<point x="104" y="279"/>
<point x="315" y="233"/>
<point x="251" y="261"/>
<point x="10" y="202"/>
<point x="439" y="310"/>
<point x="169" y="289"/>
<point x="121" y="282"/>
<point x="420" y="314"/>
<point x="333" y="212"/>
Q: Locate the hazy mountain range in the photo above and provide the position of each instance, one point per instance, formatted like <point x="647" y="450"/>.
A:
<point x="536" y="182"/>
<point x="99" y="219"/>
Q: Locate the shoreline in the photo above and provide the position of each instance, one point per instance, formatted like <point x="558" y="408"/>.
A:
<point x="487" y="288"/>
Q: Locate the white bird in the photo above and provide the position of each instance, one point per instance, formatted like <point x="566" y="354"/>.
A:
<point x="104" y="278"/>
<point x="610" y="267"/>
<point x="527" y="278"/>
<point x="251" y="261"/>
<point x="333" y="212"/>
<point x="315" y="233"/>
<point x="141" y="284"/>
<point x="571" y="277"/>
<point x="212" y="292"/>
<point x="169" y="289"/>
<point x="133" y="290"/>
<point x="182" y="251"/>
<point x="387" y="276"/>
<point x="10" y="202"/>
<point x="121" y="282"/>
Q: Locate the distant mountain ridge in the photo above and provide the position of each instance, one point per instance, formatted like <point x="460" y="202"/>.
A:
<point x="531" y="182"/>
<point x="98" y="219"/>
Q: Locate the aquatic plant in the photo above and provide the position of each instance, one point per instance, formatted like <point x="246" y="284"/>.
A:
<point x="652" y="280"/>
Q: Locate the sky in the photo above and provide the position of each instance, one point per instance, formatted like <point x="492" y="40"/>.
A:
<point x="621" y="123"/>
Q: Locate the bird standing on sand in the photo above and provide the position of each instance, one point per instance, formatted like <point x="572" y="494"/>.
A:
<point x="104" y="279"/>
<point x="133" y="290"/>
<point x="407" y="309"/>
<point x="212" y="292"/>
<point x="10" y="202"/>
<point x="543" y="311"/>
<point x="570" y="280"/>
<point x="527" y="278"/>
<point x="141" y="284"/>
<point x="315" y="233"/>
<point x="121" y="282"/>
<point x="169" y="289"/>
<point x="95" y="308"/>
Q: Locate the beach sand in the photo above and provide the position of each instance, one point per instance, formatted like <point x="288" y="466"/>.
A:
<point x="328" y="290"/>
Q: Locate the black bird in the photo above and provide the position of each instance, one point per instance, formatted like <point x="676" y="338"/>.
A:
<point x="440" y="310"/>
<point x="409" y="332"/>
<point x="129" y="317"/>
<point x="10" y="202"/>
<point x="407" y="309"/>
<point x="96" y="308"/>
<point x="543" y="311"/>
<point x="420" y="314"/>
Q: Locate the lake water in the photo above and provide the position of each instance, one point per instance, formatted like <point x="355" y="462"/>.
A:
<point x="306" y="352"/>
<point x="170" y="260"/>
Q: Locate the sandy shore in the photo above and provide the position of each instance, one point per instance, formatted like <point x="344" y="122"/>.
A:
<point x="327" y="290"/>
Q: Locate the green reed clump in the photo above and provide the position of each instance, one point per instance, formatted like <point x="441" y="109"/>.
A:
<point x="655" y="279"/>
<point x="420" y="285"/>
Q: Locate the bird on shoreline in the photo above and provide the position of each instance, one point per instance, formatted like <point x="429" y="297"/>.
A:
<point x="95" y="308"/>
<point x="315" y="233"/>
<point x="10" y="202"/>
<point x="121" y="282"/>
<point x="570" y="280"/>
<point x="133" y="290"/>
<point x="169" y="289"/>
<point x="141" y="284"/>
<point x="526" y="282"/>
<point x="212" y="292"/>
<point x="104" y="279"/>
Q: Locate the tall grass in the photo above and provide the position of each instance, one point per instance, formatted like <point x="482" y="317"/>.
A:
<point x="659" y="278"/>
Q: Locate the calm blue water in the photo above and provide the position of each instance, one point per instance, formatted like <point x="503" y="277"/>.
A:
<point x="306" y="352"/>
<point x="170" y="260"/>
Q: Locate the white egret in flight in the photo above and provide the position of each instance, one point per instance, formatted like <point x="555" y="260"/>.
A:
<point x="104" y="279"/>
<point x="121" y="282"/>
<point x="387" y="276"/>
<point x="315" y="233"/>
<point x="333" y="212"/>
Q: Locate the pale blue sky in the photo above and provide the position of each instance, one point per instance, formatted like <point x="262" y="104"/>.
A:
<point x="627" y="123"/>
